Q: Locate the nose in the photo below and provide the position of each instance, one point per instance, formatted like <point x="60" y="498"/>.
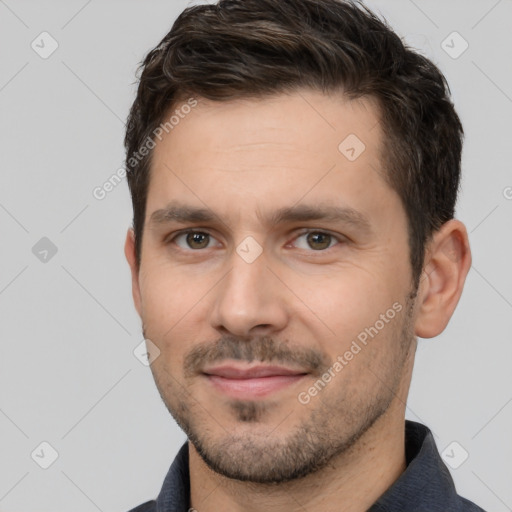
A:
<point x="250" y="300"/>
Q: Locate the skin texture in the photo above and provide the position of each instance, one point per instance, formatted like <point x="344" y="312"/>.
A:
<point x="301" y="303"/>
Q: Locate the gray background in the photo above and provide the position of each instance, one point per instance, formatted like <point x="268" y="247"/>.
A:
<point x="68" y="375"/>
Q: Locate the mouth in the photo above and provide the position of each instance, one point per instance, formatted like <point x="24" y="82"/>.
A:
<point x="251" y="382"/>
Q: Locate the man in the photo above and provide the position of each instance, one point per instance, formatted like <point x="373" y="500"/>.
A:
<point x="294" y="171"/>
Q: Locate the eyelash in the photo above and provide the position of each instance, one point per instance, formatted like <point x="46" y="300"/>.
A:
<point x="337" y="238"/>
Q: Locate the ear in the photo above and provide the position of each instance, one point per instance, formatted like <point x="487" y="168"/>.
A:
<point x="129" y="252"/>
<point x="447" y="263"/>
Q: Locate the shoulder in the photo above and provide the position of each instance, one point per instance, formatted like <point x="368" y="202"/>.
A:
<point x="149" y="506"/>
<point x="469" y="506"/>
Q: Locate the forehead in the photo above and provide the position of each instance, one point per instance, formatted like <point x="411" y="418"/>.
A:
<point x="272" y="150"/>
<point x="285" y="124"/>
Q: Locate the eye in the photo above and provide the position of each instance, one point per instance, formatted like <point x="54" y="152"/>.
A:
<point x="316" y="240"/>
<point x="193" y="240"/>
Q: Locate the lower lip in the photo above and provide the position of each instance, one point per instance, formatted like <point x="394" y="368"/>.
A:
<point x="253" y="388"/>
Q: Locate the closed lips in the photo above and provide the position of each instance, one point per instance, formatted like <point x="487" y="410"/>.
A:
<point x="232" y="372"/>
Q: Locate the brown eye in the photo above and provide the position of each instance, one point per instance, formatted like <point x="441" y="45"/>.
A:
<point x="319" y="241"/>
<point x="197" y="240"/>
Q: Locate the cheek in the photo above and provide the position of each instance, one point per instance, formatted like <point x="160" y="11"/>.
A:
<point x="167" y="296"/>
<point x="341" y="306"/>
<point x="171" y="304"/>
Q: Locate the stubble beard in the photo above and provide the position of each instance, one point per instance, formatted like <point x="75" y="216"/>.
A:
<point x="333" y="426"/>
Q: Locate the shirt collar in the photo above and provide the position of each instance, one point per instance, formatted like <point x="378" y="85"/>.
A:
<point x="175" y="493"/>
<point x="426" y="483"/>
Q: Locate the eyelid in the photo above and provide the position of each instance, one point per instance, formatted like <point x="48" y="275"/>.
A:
<point x="172" y="237"/>
<point x="306" y="231"/>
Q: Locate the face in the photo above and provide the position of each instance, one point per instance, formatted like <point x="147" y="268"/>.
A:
<point x="275" y="281"/>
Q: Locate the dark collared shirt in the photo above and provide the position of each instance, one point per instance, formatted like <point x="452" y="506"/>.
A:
<point x="425" y="486"/>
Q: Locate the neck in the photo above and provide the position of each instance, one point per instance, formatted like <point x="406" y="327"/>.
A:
<point x="352" y="482"/>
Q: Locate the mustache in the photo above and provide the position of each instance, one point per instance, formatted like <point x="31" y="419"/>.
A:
<point x="257" y="348"/>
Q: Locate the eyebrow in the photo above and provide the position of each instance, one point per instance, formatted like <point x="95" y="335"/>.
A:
<point x="181" y="213"/>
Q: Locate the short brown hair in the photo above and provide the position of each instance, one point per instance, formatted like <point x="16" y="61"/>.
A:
<point x="256" y="48"/>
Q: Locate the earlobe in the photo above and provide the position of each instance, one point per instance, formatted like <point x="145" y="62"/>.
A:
<point x="447" y="262"/>
<point x="129" y="251"/>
